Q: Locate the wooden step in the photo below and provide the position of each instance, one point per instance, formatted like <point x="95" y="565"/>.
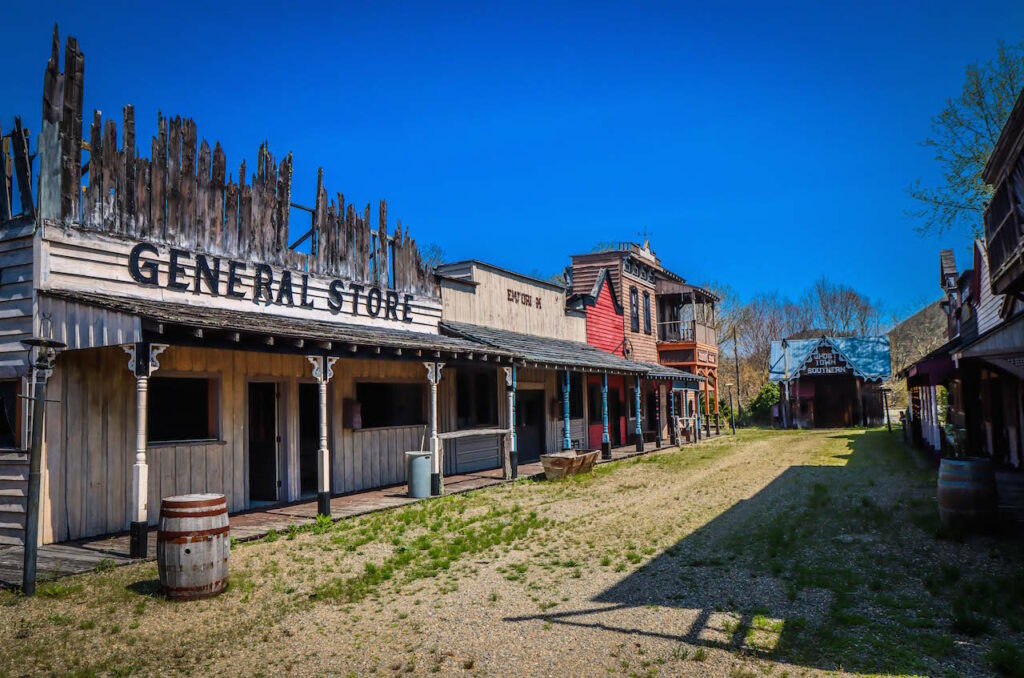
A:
<point x="20" y="490"/>
<point x="13" y="458"/>
<point x="12" y="522"/>
<point x="13" y="483"/>
<point x="12" y="538"/>
<point x="13" y="504"/>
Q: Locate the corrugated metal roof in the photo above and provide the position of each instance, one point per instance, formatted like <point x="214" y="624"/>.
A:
<point x="543" y="350"/>
<point x="868" y="356"/>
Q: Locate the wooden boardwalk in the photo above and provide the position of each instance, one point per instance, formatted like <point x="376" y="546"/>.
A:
<point x="68" y="558"/>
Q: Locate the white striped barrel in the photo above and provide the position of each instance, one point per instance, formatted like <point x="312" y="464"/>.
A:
<point x="193" y="544"/>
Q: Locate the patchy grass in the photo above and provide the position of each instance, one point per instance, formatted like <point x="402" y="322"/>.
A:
<point x="771" y="553"/>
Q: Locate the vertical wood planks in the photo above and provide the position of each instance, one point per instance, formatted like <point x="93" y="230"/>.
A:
<point x="71" y="132"/>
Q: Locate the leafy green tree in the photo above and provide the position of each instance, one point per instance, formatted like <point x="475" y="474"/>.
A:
<point x="761" y="406"/>
<point x="963" y="135"/>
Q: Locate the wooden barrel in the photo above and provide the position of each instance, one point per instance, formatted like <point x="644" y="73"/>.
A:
<point x="967" y="492"/>
<point x="193" y="544"/>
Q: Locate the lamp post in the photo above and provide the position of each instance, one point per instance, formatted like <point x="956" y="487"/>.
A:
<point x="46" y="353"/>
<point x="732" y="412"/>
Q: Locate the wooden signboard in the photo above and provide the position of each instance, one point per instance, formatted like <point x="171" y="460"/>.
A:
<point x="823" y="362"/>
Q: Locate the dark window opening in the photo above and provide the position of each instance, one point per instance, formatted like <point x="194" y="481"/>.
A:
<point x="476" y="398"/>
<point x="10" y="416"/>
<point x="389" y="404"/>
<point x="634" y="310"/>
<point x="575" y="395"/>
<point x="181" y="409"/>
<point x="594" y="410"/>
<point x="647" y="312"/>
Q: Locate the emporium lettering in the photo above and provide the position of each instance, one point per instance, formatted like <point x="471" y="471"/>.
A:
<point x="523" y="298"/>
<point x="216" y="277"/>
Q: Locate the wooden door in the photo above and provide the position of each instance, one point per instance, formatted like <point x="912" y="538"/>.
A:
<point x="263" y="440"/>
<point x="309" y="437"/>
<point x="530" y="425"/>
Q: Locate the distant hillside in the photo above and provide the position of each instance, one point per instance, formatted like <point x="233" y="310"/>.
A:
<point x="916" y="336"/>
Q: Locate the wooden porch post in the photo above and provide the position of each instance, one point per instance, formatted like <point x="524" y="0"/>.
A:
<point x="323" y="370"/>
<point x="639" y="427"/>
<point x="673" y="434"/>
<point x="566" y="438"/>
<point x="513" y="450"/>
<point x="606" y="441"/>
<point x="142" y="361"/>
<point x="437" y="471"/>
<point x="657" y="413"/>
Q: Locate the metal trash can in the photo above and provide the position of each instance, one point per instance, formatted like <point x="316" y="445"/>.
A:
<point x="417" y="471"/>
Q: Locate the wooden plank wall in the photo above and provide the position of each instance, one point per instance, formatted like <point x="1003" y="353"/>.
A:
<point x="90" y="435"/>
<point x="16" y="298"/>
<point x="487" y="303"/>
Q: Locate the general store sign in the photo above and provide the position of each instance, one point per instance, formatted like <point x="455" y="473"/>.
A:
<point x="825" y="361"/>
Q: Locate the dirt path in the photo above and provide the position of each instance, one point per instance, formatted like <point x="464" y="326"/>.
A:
<point x="770" y="553"/>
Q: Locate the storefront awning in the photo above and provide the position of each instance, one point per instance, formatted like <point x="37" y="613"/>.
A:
<point x="934" y="368"/>
<point x="544" y="351"/>
<point x="168" y="321"/>
<point x="1004" y="341"/>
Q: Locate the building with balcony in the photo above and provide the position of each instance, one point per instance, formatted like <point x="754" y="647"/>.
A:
<point x="640" y="310"/>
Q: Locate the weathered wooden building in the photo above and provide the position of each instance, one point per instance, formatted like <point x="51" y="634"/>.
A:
<point x="831" y="381"/>
<point x="638" y="309"/>
<point x="565" y="386"/>
<point x="204" y="352"/>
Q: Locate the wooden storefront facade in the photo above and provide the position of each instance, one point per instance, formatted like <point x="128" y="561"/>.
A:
<point x="830" y="381"/>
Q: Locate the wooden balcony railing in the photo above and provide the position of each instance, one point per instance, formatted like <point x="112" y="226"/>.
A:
<point x="687" y="331"/>
<point x="1004" y="238"/>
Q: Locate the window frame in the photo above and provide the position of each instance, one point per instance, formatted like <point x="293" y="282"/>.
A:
<point x="647" y="312"/>
<point x="424" y="402"/>
<point x="473" y="420"/>
<point x="215" y="407"/>
<point x="19" y="423"/>
<point x="634" y="309"/>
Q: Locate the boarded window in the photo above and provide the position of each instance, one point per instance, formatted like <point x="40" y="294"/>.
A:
<point x="391" y="404"/>
<point x="647" y="312"/>
<point x="182" y="409"/>
<point x="575" y="395"/>
<point x="10" y="416"/>
<point x="476" y="398"/>
<point x="634" y="310"/>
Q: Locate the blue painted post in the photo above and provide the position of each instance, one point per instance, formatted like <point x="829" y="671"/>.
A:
<point x="673" y="434"/>
<point x="606" y="441"/>
<point x="566" y="438"/>
<point x="639" y="427"/>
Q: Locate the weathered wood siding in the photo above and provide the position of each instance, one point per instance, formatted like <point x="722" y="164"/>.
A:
<point x="499" y="299"/>
<point x="16" y="297"/>
<point x="604" y="323"/>
<point x="644" y="346"/>
<point x="90" y="434"/>
<point x="988" y="303"/>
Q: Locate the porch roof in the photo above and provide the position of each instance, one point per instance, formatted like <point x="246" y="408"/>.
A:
<point x="656" y="371"/>
<point x="545" y="351"/>
<point x="330" y="335"/>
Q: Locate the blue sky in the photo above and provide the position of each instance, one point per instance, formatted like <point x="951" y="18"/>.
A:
<point x="762" y="144"/>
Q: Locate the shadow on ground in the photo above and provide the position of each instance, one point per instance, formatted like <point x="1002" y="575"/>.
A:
<point x="828" y="566"/>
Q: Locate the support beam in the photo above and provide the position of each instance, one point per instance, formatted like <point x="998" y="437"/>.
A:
<point x="143" y="362"/>
<point x="436" y="467"/>
<point x="606" y="441"/>
<point x="673" y="434"/>
<point x="657" y="413"/>
<point x="513" y="448"/>
<point x="566" y="437"/>
<point x="639" y="432"/>
<point x="323" y="370"/>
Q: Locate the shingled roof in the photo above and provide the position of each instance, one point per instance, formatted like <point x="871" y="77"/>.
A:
<point x="544" y="351"/>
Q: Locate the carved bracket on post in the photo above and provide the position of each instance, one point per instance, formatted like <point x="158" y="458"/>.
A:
<point x="147" y="368"/>
<point x="319" y="364"/>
